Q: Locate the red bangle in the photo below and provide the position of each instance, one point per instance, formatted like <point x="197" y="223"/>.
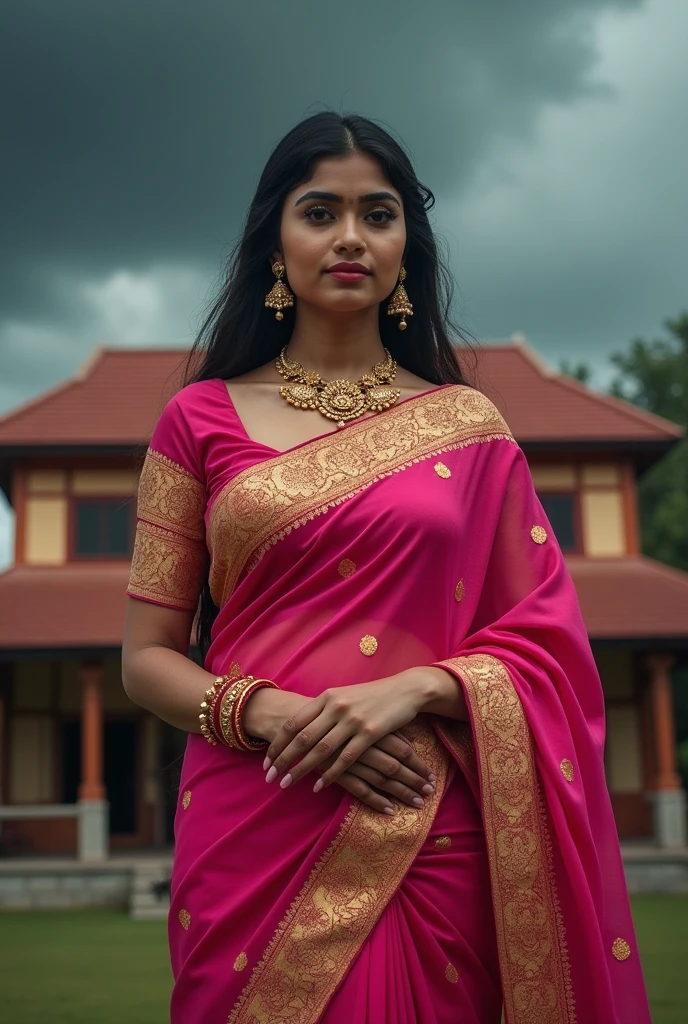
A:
<point x="241" y="739"/>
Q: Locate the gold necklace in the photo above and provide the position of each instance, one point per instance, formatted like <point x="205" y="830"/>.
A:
<point x="339" y="400"/>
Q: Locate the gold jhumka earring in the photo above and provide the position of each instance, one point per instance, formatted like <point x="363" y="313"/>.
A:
<point x="400" y="304"/>
<point x="279" y="297"/>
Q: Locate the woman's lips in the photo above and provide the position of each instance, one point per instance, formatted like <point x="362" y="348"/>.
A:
<point x="348" y="276"/>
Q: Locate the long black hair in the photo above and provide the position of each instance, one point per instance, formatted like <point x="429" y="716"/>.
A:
<point x="239" y="334"/>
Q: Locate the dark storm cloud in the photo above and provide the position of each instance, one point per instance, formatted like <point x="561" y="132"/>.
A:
<point x="553" y="132"/>
<point x="135" y="131"/>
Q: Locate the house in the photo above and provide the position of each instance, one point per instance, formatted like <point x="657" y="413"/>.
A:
<point x="85" y="771"/>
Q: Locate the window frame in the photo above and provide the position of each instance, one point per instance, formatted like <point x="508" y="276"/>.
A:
<point x="73" y="554"/>
<point x="574" y="495"/>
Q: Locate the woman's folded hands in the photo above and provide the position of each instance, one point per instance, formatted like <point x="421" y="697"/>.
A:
<point x="349" y="735"/>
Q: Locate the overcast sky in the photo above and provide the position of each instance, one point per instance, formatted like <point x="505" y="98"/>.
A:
<point x="553" y="132"/>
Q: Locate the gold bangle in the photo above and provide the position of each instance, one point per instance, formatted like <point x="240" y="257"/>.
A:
<point x="207" y="716"/>
<point x="226" y="708"/>
<point x="243" y="741"/>
<point x="231" y="709"/>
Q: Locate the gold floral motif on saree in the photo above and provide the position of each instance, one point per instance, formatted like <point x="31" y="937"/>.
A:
<point x="530" y="932"/>
<point x="340" y="903"/>
<point x="620" y="950"/>
<point x="368" y="646"/>
<point x="170" y="556"/>
<point x="265" y="502"/>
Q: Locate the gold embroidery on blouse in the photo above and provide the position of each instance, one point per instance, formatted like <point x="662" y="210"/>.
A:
<point x="346" y="568"/>
<point x="620" y="949"/>
<point x="460" y="592"/>
<point x="339" y="905"/>
<point x="442" y="470"/>
<point x="240" y="962"/>
<point x="566" y="768"/>
<point x="451" y="974"/>
<point x="186" y="799"/>
<point x="170" y="555"/>
<point x="530" y="929"/>
<point x="185" y="919"/>
<point x="443" y="842"/>
<point x="264" y="503"/>
<point x="368" y="646"/>
<point x="539" y="534"/>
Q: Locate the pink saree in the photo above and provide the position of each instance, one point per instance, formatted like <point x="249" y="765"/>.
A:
<point x="410" y="538"/>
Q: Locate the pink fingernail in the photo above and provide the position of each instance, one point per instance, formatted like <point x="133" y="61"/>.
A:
<point x="286" y="781"/>
<point x="432" y="777"/>
<point x="266" y="763"/>
<point x="418" y="801"/>
<point x="271" y="775"/>
<point x="318" y="786"/>
<point x="428" y="789"/>
<point x="388" y="810"/>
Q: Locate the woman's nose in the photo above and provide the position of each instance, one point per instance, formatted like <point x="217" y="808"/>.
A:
<point x="350" y="237"/>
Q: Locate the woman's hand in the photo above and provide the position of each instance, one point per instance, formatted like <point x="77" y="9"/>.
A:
<point x="344" y="721"/>
<point x="390" y="766"/>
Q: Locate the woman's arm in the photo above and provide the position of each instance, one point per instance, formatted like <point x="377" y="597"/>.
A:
<point x="156" y="671"/>
<point x="442" y="694"/>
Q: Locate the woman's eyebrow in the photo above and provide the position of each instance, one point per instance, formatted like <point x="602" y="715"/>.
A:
<point x="377" y="197"/>
<point x="331" y="197"/>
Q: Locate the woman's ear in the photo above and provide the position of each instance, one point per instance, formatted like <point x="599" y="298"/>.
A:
<point x="277" y="256"/>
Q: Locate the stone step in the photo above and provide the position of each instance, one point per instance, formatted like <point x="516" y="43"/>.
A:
<point x="149" y="894"/>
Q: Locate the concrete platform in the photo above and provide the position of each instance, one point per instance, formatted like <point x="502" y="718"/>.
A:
<point x="139" y="882"/>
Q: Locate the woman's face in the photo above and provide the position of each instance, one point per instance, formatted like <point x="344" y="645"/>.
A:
<point x="348" y="213"/>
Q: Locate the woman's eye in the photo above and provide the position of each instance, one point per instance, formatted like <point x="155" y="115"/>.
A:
<point x="382" y="216"/>
<point x="319" y="214"/>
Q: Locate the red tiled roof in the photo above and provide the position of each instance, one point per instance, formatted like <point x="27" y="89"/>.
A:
<point x="116" y="398"/>
<point x="540" y="405"/>
<point x="83" y="605"/>
<point x="77" y="605"/>
<point x="631" y="598"/>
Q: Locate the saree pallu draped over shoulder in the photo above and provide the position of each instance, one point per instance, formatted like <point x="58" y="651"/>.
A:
<point x="410" y="538"/>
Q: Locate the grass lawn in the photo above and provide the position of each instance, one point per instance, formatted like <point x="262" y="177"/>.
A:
<point x="85" y="967"/>
<point x="662" y="928"/>
<point x="102" y="968"/>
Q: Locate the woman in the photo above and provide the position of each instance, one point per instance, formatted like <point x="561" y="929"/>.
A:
<point x="365" y="536"/>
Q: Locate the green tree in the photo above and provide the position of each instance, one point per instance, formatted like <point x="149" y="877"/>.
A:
<point x="654" y="376"/>
<point x="578" y="371"/>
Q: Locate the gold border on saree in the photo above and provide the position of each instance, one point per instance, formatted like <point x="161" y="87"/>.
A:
<point x="534" y="964"/>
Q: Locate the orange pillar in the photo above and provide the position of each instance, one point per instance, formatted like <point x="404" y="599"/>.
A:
<point x="669" y="800"/>
<point x="660" y="666"/>
<point x="91" y="786"/>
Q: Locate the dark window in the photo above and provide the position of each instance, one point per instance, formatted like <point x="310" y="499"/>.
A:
<point x="560" y="509"/>
<point x="103" y="528"/>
